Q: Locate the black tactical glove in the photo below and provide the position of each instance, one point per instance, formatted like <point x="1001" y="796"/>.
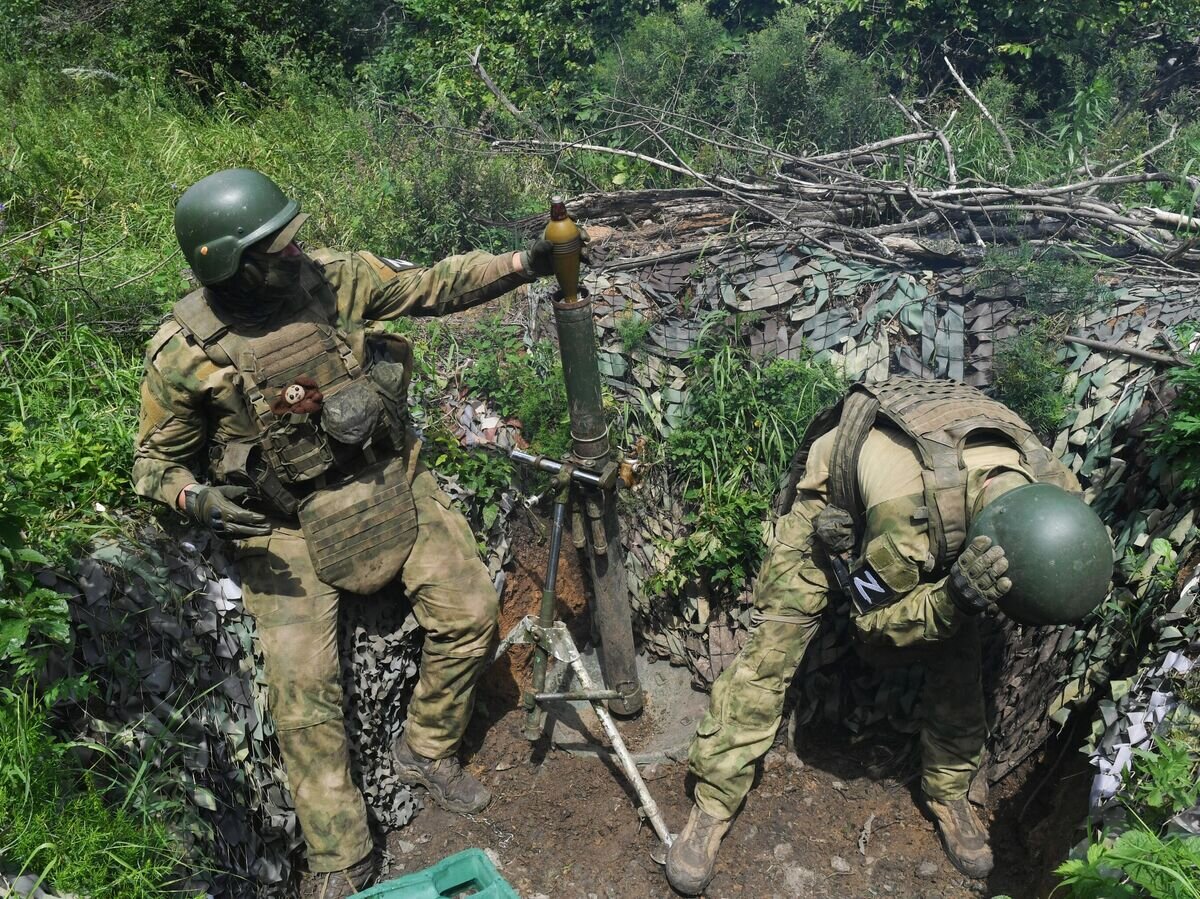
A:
<point x="977" y="581"/>
<point x="835" y="529"/>
<point x="215" y="509"/>
<point x="538" y="259"/>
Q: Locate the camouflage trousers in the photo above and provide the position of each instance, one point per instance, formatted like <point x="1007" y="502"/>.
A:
<point x="746" y="707"/>
<point x="297" y="618"/>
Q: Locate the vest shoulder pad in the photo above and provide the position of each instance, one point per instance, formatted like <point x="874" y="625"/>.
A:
<point x="202" y="326"/>
<point x="168" y="329"/>
<point x="198" y="320"/>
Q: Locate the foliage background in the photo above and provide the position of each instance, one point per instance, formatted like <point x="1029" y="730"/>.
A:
<point x="370" y="113"/>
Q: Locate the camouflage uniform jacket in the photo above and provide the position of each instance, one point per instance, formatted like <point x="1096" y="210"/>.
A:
<point x="188" y="401"/>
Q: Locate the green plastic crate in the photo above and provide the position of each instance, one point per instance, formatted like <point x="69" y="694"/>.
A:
<point x="467" y="873"/>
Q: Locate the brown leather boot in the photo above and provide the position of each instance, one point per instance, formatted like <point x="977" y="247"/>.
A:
<point x="691" y="858"/>
<point x="963" y="836"/>
<point x="450" y="786"/>
<point x="341" y="884"/>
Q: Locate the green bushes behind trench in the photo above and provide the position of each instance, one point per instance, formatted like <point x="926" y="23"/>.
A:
<point x="744" y="420"/>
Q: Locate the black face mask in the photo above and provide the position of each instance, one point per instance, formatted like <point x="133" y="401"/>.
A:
<point x="262" y="284"/>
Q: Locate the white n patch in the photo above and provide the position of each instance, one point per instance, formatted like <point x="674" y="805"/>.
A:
<point x="866" y="580"/>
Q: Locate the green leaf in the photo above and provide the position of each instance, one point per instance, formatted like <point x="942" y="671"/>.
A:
<point x="13" y="634"/>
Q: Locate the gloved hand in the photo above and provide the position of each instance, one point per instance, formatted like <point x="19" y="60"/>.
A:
<point x="215" y="508"/>
<point x="538" y="259"/>
<point x="835" y="529"/>
<point x="977" y="581"/>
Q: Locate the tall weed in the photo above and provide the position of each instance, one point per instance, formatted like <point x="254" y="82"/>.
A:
<point x="56" y="825"/>
<point x="743" y="423"/>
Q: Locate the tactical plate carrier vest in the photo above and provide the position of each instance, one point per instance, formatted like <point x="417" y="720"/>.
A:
<point x="938" y="417"/>
<point x="352" y="499"/>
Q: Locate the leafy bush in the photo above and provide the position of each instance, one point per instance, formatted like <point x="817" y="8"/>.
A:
<point x="1165" y="778"/>
<point x="1178" y="436"/>
<point x="524" y="380"/>
<point x="246" y="40"/>
<point x="1029" y="40"/>
<point x="810" y="89"/>
<point x="743" y="423"/>
<point x="1028" y="378"/>
<point x="535" y="51"/>
<point x="32" y="618"/>
<point x="1135" y="864"/>
<point x="679" y="61"/>
<point x="483" y="475"/>
<point x="1163" y="781"/>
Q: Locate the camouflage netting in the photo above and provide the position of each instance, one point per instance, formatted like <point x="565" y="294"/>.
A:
<point x="872" y="322"/>
<point x="161" y="631"/>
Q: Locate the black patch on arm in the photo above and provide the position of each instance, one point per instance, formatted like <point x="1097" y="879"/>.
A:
<point x="868" y="590"/>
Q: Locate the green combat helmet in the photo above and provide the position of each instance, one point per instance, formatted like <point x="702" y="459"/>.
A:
<point x="218" y="217"/>
<point x="1059" y="554"/>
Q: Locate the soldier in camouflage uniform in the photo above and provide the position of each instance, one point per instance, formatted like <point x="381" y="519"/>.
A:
<point x="267" y="384"/>
<point x="883" y="497"/>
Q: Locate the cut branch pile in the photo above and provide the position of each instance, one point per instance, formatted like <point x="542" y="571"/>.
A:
<point x="850" y="202"/>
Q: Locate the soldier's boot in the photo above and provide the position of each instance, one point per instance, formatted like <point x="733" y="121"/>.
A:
<point x="340" y="884"/>
<point x="450" y="786"/>
<point x="963" y="836"/>
<point x="691" y="858"/>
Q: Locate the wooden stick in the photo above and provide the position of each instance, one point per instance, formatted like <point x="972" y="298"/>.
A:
<point x="1012" y="157"/>
<point x="1134" y="352"/>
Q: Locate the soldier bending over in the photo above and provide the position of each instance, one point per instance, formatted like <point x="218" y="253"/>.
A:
<point x="927" y="503"/>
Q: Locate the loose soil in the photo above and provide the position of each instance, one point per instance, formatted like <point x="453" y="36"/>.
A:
<point x="564" y="827"/>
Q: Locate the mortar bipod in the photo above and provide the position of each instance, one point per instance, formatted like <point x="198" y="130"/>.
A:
<point x="552" y="640"/>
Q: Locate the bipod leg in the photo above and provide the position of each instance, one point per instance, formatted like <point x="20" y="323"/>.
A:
<point x="649" y="806"/>
<point x="535" y="720"/>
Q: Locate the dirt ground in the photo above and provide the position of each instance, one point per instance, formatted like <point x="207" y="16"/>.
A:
<point x="566" y="827"/>
<point x="815" y="825"/>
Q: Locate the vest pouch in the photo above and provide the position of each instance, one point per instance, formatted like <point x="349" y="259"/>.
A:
<point x="241" y="463"/>
<point x="352" y="414"/>
<point x="360" y="533"/>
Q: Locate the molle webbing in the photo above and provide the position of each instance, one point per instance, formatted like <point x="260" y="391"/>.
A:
<point x="199" y="322"/>
<point x="858" y="415"/>
<point x="359" y="533"/>
<point x="361" y="526"/>
<point x="939" y="417"/>
<point x="307" y="343"/>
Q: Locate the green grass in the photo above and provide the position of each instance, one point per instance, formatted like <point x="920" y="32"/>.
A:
<point x="56" y="825"/>
<point x="743" y="423"/>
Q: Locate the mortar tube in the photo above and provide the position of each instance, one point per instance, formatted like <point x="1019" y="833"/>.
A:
<point x="589" y="436"/>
